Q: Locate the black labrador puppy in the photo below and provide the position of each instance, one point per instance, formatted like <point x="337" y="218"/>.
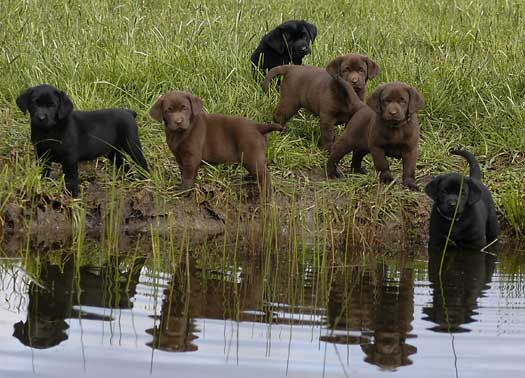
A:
<point x="475" y="223"/>
<point x="288" y="42"/>
<point x="64" y="136"/>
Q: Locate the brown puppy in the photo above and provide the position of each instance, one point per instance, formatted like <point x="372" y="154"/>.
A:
<point x="388" y="126"/>
<point x="314" y="89"/>
<point x="195" y="136"/>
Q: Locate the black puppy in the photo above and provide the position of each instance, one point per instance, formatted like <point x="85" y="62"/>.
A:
<point x="64" y="136"/>
<point x="288" y="42"/>
<point x="475" y="224"/>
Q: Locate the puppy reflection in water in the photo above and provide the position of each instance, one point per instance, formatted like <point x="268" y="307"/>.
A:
<point x="465" y="276"/>
<point x="60" y="289"/>
<point x="380" y="310"/>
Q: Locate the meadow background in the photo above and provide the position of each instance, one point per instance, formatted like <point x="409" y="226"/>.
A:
<point x="465" y="57"/>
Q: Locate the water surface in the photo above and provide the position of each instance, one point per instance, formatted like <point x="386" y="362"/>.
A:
<point x="262" y="317"/>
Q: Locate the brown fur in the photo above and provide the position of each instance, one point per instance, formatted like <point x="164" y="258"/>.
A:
<point x="195" y="136"/>
<point x="314" y="89"/>
<point x="388" y="126"/>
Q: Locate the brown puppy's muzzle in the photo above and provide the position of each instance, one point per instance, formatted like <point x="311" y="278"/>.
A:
<point x="355" y="79"/>
<point x="176" y="122"/>
<point x="393" y="112"/>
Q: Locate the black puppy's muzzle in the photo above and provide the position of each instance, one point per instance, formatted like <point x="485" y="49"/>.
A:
<point x="42" y="120"/>
<point x="301" y="49"/>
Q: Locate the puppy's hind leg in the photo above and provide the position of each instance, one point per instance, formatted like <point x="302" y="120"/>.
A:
<point x="258" y="168"/>
<point x="134" y="149"/>
<point x="285" y="110"/>
<point x="117" y="158"/>
<point x="357" y="161"/>
<point x="342" y="147"/>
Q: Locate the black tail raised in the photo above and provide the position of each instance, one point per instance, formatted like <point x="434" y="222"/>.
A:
<point x="475" y="171"/>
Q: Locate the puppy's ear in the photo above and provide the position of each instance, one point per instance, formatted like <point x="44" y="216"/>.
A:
<point x="374" y="100"/>
<point x="432" y="188"/>
<point x="372" y="68"/>
<point x="275" y="41"/>
<point x="196" y="104"/>
<point x="311" y="29"/>
<point x="474" y="193"/>
<point x="334" y="67"/>
<point x="416" y="100"/>
<point x="156" y="110"/>
<point x="22" y="101"/>
<point x="65" y="106"/>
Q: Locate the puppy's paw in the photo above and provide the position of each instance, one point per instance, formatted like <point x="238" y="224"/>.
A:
<point x="410" y="183"/>
<point x="333" y="173"/>
<point x="326" y="147"/>
<point x="386" y="177"/>
<point x="184" y="190"/>
<point x="360" y="170"/>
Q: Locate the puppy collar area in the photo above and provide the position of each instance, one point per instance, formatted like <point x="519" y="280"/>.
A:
<point x="458" y="216"/>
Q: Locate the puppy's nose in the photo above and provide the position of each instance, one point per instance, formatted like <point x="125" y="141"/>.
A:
<point x="393" y="111"/>
<point x="354" y="80"/>
<point x="452" y="203"/>
<point x="41" y="117"/>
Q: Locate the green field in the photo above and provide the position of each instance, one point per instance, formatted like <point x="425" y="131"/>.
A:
<point x="466" y="58"/>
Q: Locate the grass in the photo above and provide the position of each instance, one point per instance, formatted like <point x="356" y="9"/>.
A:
<point x="466" y="58"/>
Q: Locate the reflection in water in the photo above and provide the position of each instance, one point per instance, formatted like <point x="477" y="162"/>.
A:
<point x="58" y="289"/>
<point x="200" y="293"/>
<point x="379" y="305"/>
<point x="465" y="276"/>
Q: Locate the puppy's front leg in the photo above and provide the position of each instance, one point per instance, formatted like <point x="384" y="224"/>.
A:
<point x="71" y="172"/>
<point x="409" y="168"/>
<point x="381" y="164"/>
<point x="42" y="155"/>
<point x="327" y="124"/>
<point x="190" y="168"/>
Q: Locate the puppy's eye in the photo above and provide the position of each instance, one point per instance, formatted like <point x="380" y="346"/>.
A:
<point x="184" y="107"/>
<point x="402" y="101"/>
<point x="361" y="70"/>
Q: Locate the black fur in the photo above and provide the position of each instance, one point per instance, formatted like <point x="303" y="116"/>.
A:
<point x="64" y="136"/>
<point x="476" y="223"/>
<point x="288" y="42"/>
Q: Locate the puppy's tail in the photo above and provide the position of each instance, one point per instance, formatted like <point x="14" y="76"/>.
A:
<point x="276" y="71"/>
<point x="265" y="128"/>
<point x="475" y="171"/>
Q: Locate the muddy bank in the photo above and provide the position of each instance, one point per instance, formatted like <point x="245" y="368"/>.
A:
<point x="311" y="217"/>
<point x="58" y="219"/>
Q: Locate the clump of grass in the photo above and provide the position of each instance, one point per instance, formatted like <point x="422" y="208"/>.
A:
<point x="513" y="203"/>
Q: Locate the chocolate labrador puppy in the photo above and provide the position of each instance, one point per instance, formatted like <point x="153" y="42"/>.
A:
<point x="288" y="42"/>
<point x="316" y="89"/>
<point x="388" y="126"/>
<point x="463" y="204"/>
<point x="195" y="136"/>
<point x="64" y="136"/>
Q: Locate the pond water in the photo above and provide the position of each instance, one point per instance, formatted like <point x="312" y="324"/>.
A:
<point x="262" y="316"/>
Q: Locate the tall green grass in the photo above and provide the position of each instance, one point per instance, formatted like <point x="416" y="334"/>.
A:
<point x="465" y="57"/>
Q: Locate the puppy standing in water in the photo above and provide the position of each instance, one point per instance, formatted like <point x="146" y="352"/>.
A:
<point x="195" y="136"/>
<point x="288" y="43"/>
<point x="388" y="126"/>
<point x="315" y="89"/>
<point x="65" y="136"/>
<point x="475" y="223"/>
